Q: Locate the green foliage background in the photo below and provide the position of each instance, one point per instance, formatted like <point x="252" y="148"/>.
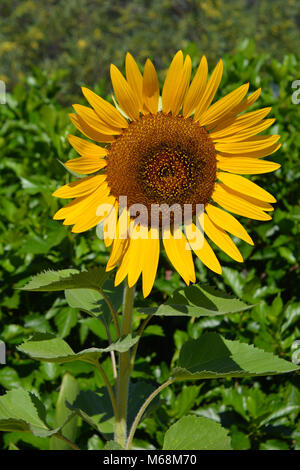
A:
<point x="46" y="54"/>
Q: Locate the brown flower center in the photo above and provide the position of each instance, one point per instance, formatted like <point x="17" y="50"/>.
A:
<point x="162" y="159"/>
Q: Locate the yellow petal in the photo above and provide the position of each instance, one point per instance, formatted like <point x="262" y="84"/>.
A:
<point x="223" y="106"/>
<point x="110" y="224"/>
<point x="123" y="268"/>
<point x="134" y="264"/>
<point x="265" y="206"/>
<point x="196" y="89"/>
<point x="246" y="165"/>
<point x="251" y="153"/>
<point x="87" y="207"/>
<point x="179" y="254"/>
<point x="80" y="206"/>
<point x="123" y="224"/>
<point x="227" y="222"/>
<point x="172" y="82"/>
<point x="246" y="103"/>
<point x="221" y="239"/>
<point x="118" y="249"/>
<point x="85" y="148"/>
<point x="126" y="97"/>
<point x="89" y="131"/>
<point x="92" y="119"/>
<point x="86" y="165"/>
<point x="237" y="204"/>
<point x="249" y="145"/>
<point x="105" y="111"/>
<point x="150" y="87"/>
<point x="244" y="134"/>
<point x="245" y="186"/>
<point x="134" y="78"/>
<point x="183" y="86"/>
<point x="67" y="209"/>
<point x="234" y="124"/>
<point x="137" y="252"/>
<point x="150" y="260"/>
<point x="92" y="220"/>
<point x="205" y="253"/>
<point x="80" y="187"/>
<point x="210" y="91"/>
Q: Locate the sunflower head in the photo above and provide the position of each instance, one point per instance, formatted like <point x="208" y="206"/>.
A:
<point x="163" y="158"/>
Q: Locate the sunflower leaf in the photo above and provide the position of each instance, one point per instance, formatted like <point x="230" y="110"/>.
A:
<point x="94" y="303"/>
<point x="196" y="433"/>
<point x="94" y="408"/>
<point x="69" y="390"/>
<point x="212" y="356"/>
<point x="23" y="411"/>
<point x="46" y="347"/>
<point x="67" y="279"/>
<point x="198" y="301"/>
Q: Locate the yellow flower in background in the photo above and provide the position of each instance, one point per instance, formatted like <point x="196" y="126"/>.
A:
<point x="81" y="43"/>
<point x="177" y="149"/>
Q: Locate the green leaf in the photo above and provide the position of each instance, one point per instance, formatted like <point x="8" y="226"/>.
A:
<point x="95" y="443"/>
<point x="68" y="391"/>
<point x="11" y="439"/>
<point x="67" y="279"/>
<point x="212" y="356"/>
<point x="196" y="433"/>
<point x="93" y="302"/>
<point x="47" y="347"/>
<point x="239" y="440"/>
<point x="274" y="444"/>
<point x="138" y="393"/>
<point x="23" y="411"/>
<point x="234" y="279"/>
<point x="65" y="320"/>
<point x="87" y="300"/>
<point x="197" y="301"/>
<point x="287" y="254"/>
<point x="113" y="445"/>
<point x="292" y="313"/>
<point x="185" y="400"/>
<point x="95" y="408"/>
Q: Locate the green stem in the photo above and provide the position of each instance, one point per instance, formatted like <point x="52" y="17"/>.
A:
<point x="58" y="435"/>
<point x="124" y="369"/>
<point x="112" y="355"/>
<point x="142" y="411"/>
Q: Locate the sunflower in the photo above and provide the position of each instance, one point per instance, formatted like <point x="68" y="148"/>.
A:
<point x="157" y="151"/>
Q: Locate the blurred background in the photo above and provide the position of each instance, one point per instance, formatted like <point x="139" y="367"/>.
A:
<point x="47" y="51"/>
<point x="82" y="37"/>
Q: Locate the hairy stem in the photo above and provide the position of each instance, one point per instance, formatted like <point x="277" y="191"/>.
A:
<point x="112" y="356"/>
<point x="143" y="409"/>
<point x="60" y="436"/>
<point x="124" y="369"/>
